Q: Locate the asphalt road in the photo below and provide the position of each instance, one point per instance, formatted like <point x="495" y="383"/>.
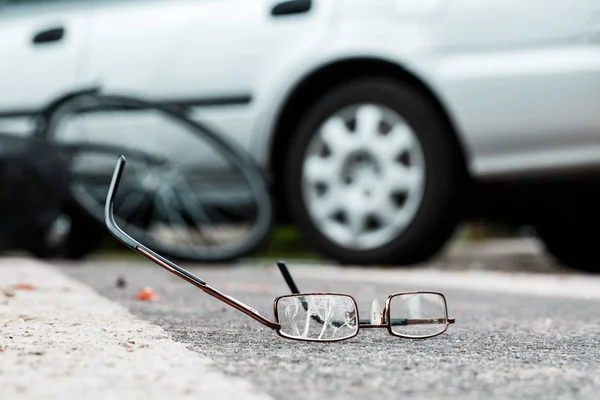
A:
<point x="503" y="346"/>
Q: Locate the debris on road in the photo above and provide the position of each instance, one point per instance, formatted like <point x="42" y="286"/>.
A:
<point x="23" y="286"/>
<point x="146" y="294"/>
<point x="121" y="282"/>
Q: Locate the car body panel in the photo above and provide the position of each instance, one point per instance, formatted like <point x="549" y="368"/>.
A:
<point x="216" y="56"/>
<point x="521" y="99"/>
<point x="31" y="76"/>
<point x="517" y="79"/>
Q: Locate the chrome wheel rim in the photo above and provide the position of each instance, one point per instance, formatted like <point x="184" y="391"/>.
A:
<point x="363" y="176"/>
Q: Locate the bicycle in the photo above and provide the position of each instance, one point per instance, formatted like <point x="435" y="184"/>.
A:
<point x="212" y="208"/>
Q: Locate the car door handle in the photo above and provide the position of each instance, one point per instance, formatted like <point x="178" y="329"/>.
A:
<point x="49" y="36"/>
<point x="291" y="7"/>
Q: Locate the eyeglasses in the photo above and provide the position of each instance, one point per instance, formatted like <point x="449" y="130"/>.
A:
<point x="316" y="317"/>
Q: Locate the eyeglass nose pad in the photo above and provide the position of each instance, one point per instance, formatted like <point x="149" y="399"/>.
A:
<point x="376" y="315"/>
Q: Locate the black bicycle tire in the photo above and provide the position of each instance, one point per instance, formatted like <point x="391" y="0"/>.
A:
<point x="232" y="152"/>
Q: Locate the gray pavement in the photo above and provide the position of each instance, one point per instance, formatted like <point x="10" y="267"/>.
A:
<point x="508" y="342"/>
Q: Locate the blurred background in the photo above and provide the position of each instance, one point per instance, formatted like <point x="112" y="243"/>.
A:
<point x="384" y="132"/>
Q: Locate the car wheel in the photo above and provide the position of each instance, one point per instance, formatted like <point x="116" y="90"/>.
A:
<point x="374" y="175"/>
<point x="73" y="236"/>
<point x="564" y="228"/>
<point x="85" y="235"/>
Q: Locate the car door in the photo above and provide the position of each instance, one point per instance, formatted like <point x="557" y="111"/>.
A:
<point x="42" y="55"/>
<point x="208" y="54"/>
<point x="522" y="79"/>
<point x="197" y="50"/>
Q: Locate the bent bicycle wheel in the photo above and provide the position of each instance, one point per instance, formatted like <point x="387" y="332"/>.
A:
<point x="187" y="192"/>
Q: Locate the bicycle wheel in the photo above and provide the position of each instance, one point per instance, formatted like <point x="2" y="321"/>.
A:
<point x="187" y="192"/>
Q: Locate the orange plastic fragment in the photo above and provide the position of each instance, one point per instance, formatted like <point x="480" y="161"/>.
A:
<point x="146" y="294"/>
<point x="24" y="286"/>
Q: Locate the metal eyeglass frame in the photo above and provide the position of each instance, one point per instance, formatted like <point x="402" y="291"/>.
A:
<point x="170" y="266"/>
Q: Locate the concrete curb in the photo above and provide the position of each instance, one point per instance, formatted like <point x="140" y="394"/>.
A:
<point x="62" y="340"/>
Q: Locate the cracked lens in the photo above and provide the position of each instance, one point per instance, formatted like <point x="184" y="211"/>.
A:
<point x="317" y="317"/>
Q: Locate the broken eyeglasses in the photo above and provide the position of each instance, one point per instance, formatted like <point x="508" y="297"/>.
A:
<point x="319" y="317"/>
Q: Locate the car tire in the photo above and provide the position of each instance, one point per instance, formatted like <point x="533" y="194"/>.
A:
<point x="38" y="247"/>
<point x="563" y="225"/>
<point x="435" y="205"/>
<point x="85" y="235"/>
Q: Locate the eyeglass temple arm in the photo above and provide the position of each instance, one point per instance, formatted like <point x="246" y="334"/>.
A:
<point x="163" y="262"/>
<point x="288" y="277"/>
<point x="294" y="289"/>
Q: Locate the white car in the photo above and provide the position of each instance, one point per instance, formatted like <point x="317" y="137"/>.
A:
<point x="378" y="121"/>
